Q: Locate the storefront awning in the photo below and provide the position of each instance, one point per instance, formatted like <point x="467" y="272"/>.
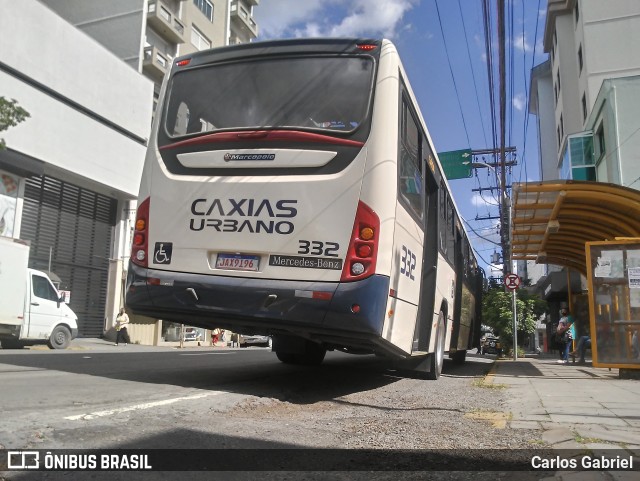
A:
<point x="552" y="221"/>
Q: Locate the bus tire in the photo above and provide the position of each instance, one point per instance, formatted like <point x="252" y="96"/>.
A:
<point x="313" y="355"/>
<point x="436" y="359"/>
<point x="60" y="338"/>
<point x="286" y="357"/>
<point x="459" y="356"/>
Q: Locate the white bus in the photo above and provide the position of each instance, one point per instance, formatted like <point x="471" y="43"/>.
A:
<point x="291" y="189"/>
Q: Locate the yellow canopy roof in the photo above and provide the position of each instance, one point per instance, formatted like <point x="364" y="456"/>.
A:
<point x="552" y="221"/>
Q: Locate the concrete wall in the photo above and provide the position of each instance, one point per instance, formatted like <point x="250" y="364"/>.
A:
<point x="116" y="24"/>
<point x="103" y="142"/>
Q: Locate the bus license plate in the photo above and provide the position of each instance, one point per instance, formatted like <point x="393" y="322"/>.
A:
<point x="237" y="262"/>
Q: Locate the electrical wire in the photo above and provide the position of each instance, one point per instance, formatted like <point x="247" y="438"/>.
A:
<point x="455" y="86"/>
<point x="473" y="73"/>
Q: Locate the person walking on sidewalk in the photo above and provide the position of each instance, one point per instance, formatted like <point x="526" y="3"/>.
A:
<point x="564" y="335"/>
<point x="122" y="321"/>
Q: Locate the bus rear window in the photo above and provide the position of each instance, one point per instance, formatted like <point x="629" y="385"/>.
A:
<point x="327" y="93"/>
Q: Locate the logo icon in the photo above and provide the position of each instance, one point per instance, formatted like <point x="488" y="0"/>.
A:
<point x="229" y="156"/>
<point x="23" y="460"/>
<point x="162" y="252"/>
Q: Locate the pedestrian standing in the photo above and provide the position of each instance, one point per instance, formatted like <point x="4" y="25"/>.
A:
<point x="122" y="321"/>
<point x="564" y="335"/>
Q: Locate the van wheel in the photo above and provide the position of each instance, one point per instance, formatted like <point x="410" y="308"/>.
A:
<point x="60" y="338"/>
<point x="437" y="358"/>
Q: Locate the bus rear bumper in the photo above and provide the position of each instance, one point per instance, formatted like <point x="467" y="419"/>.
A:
<point x="261" y="306"/>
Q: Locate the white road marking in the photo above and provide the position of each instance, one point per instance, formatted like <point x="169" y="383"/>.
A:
<point x="206" y="353"/>
<point x="139" y="407"/>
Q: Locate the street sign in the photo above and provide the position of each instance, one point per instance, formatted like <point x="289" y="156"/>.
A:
<point x="512" y="281"/>
<point x="456" y="164"/>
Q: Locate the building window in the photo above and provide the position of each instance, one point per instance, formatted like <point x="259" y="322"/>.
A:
<point x="561" y="126"/>
<point x="558" y="79"/>
<point x="206" y="7"/>
<point x="580" y="59"/>
<point x="198" y="39"/>
<point x="576" y="12"/>
<point x="584" y="106"/>
<point x="580" y="148"/>
<point x="559" y="138"/>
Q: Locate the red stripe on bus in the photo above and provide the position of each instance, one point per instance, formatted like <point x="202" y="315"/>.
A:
<point x="264" y="135"/>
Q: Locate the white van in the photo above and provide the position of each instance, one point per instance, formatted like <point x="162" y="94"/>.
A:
<point x="32" y="311"/>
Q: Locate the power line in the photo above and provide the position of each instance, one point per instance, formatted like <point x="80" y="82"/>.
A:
<point x="455" y="87"/>
<point x="473" y="73"/>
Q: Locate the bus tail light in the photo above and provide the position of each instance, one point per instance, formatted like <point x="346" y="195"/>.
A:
<point x="139" y="249"/>
<point x="363" y="246"/>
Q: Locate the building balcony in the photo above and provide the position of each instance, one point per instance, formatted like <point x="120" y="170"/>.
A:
<point x="155" y="63"/>
<point x="164" y="22"/>
<point x="242" y="20"/>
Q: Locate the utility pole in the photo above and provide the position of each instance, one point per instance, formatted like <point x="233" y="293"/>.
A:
<point x="504" y="201"/>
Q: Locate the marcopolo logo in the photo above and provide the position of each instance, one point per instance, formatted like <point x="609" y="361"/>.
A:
<point x="229" y="157"/>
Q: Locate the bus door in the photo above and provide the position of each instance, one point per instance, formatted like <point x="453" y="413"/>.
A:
<point x="430" y="261"/>
<point x="457" y="304"/>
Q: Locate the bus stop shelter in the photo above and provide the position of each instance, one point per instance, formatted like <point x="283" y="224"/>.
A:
<point x="594" y="228"/>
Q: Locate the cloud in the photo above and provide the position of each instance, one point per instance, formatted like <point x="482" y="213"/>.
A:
<point x="330" y="18"/>
<point x="519" y="102"/>
<point x="520" y="42"/>
<point x="483" y="200"/>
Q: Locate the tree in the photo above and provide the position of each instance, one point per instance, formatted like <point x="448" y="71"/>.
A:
<point x="497" y="312"/>
<point x="11" y="114"/>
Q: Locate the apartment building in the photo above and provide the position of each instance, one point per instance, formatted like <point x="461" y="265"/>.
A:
<point x="586" y="99"/>
<point x="576" y="93"/>
<point x="148" y="34"/>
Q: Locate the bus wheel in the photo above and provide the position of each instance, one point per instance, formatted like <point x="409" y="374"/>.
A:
<point x="286" y="357"/>
<point x="437" y="358"/>
<point x="313" y="355"/>
<point x="459" y="357"/>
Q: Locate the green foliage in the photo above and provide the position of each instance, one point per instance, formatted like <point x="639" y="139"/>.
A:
<point x="11" y="114"/>
<point x="497" y="312"/>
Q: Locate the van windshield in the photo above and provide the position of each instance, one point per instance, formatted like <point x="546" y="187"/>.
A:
<point x="326" y="93"/>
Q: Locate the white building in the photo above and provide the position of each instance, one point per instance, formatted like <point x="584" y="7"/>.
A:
<point x="72" y="168"/>
<point x="586" y="98"/>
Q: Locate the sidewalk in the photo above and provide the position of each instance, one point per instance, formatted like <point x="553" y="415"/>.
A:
<point x="577" y="406"/>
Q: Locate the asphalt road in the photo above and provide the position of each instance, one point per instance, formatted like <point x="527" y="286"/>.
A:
<point x="123" y="398"/>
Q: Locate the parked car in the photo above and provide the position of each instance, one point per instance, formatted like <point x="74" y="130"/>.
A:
<point x="192" y="334"/>
<point x="254" y="340"/>
<point x="491" y="345"/>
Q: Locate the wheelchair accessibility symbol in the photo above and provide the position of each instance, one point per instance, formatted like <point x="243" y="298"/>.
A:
<point x="162" y="252"/>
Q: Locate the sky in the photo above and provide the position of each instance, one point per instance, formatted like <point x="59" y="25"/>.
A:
<point x="442" y="47"/>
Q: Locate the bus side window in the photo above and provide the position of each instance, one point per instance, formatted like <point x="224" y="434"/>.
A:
<point x="451" y="231"/>
<point x="442" y="221"/>
<point x="411" y="181"/>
